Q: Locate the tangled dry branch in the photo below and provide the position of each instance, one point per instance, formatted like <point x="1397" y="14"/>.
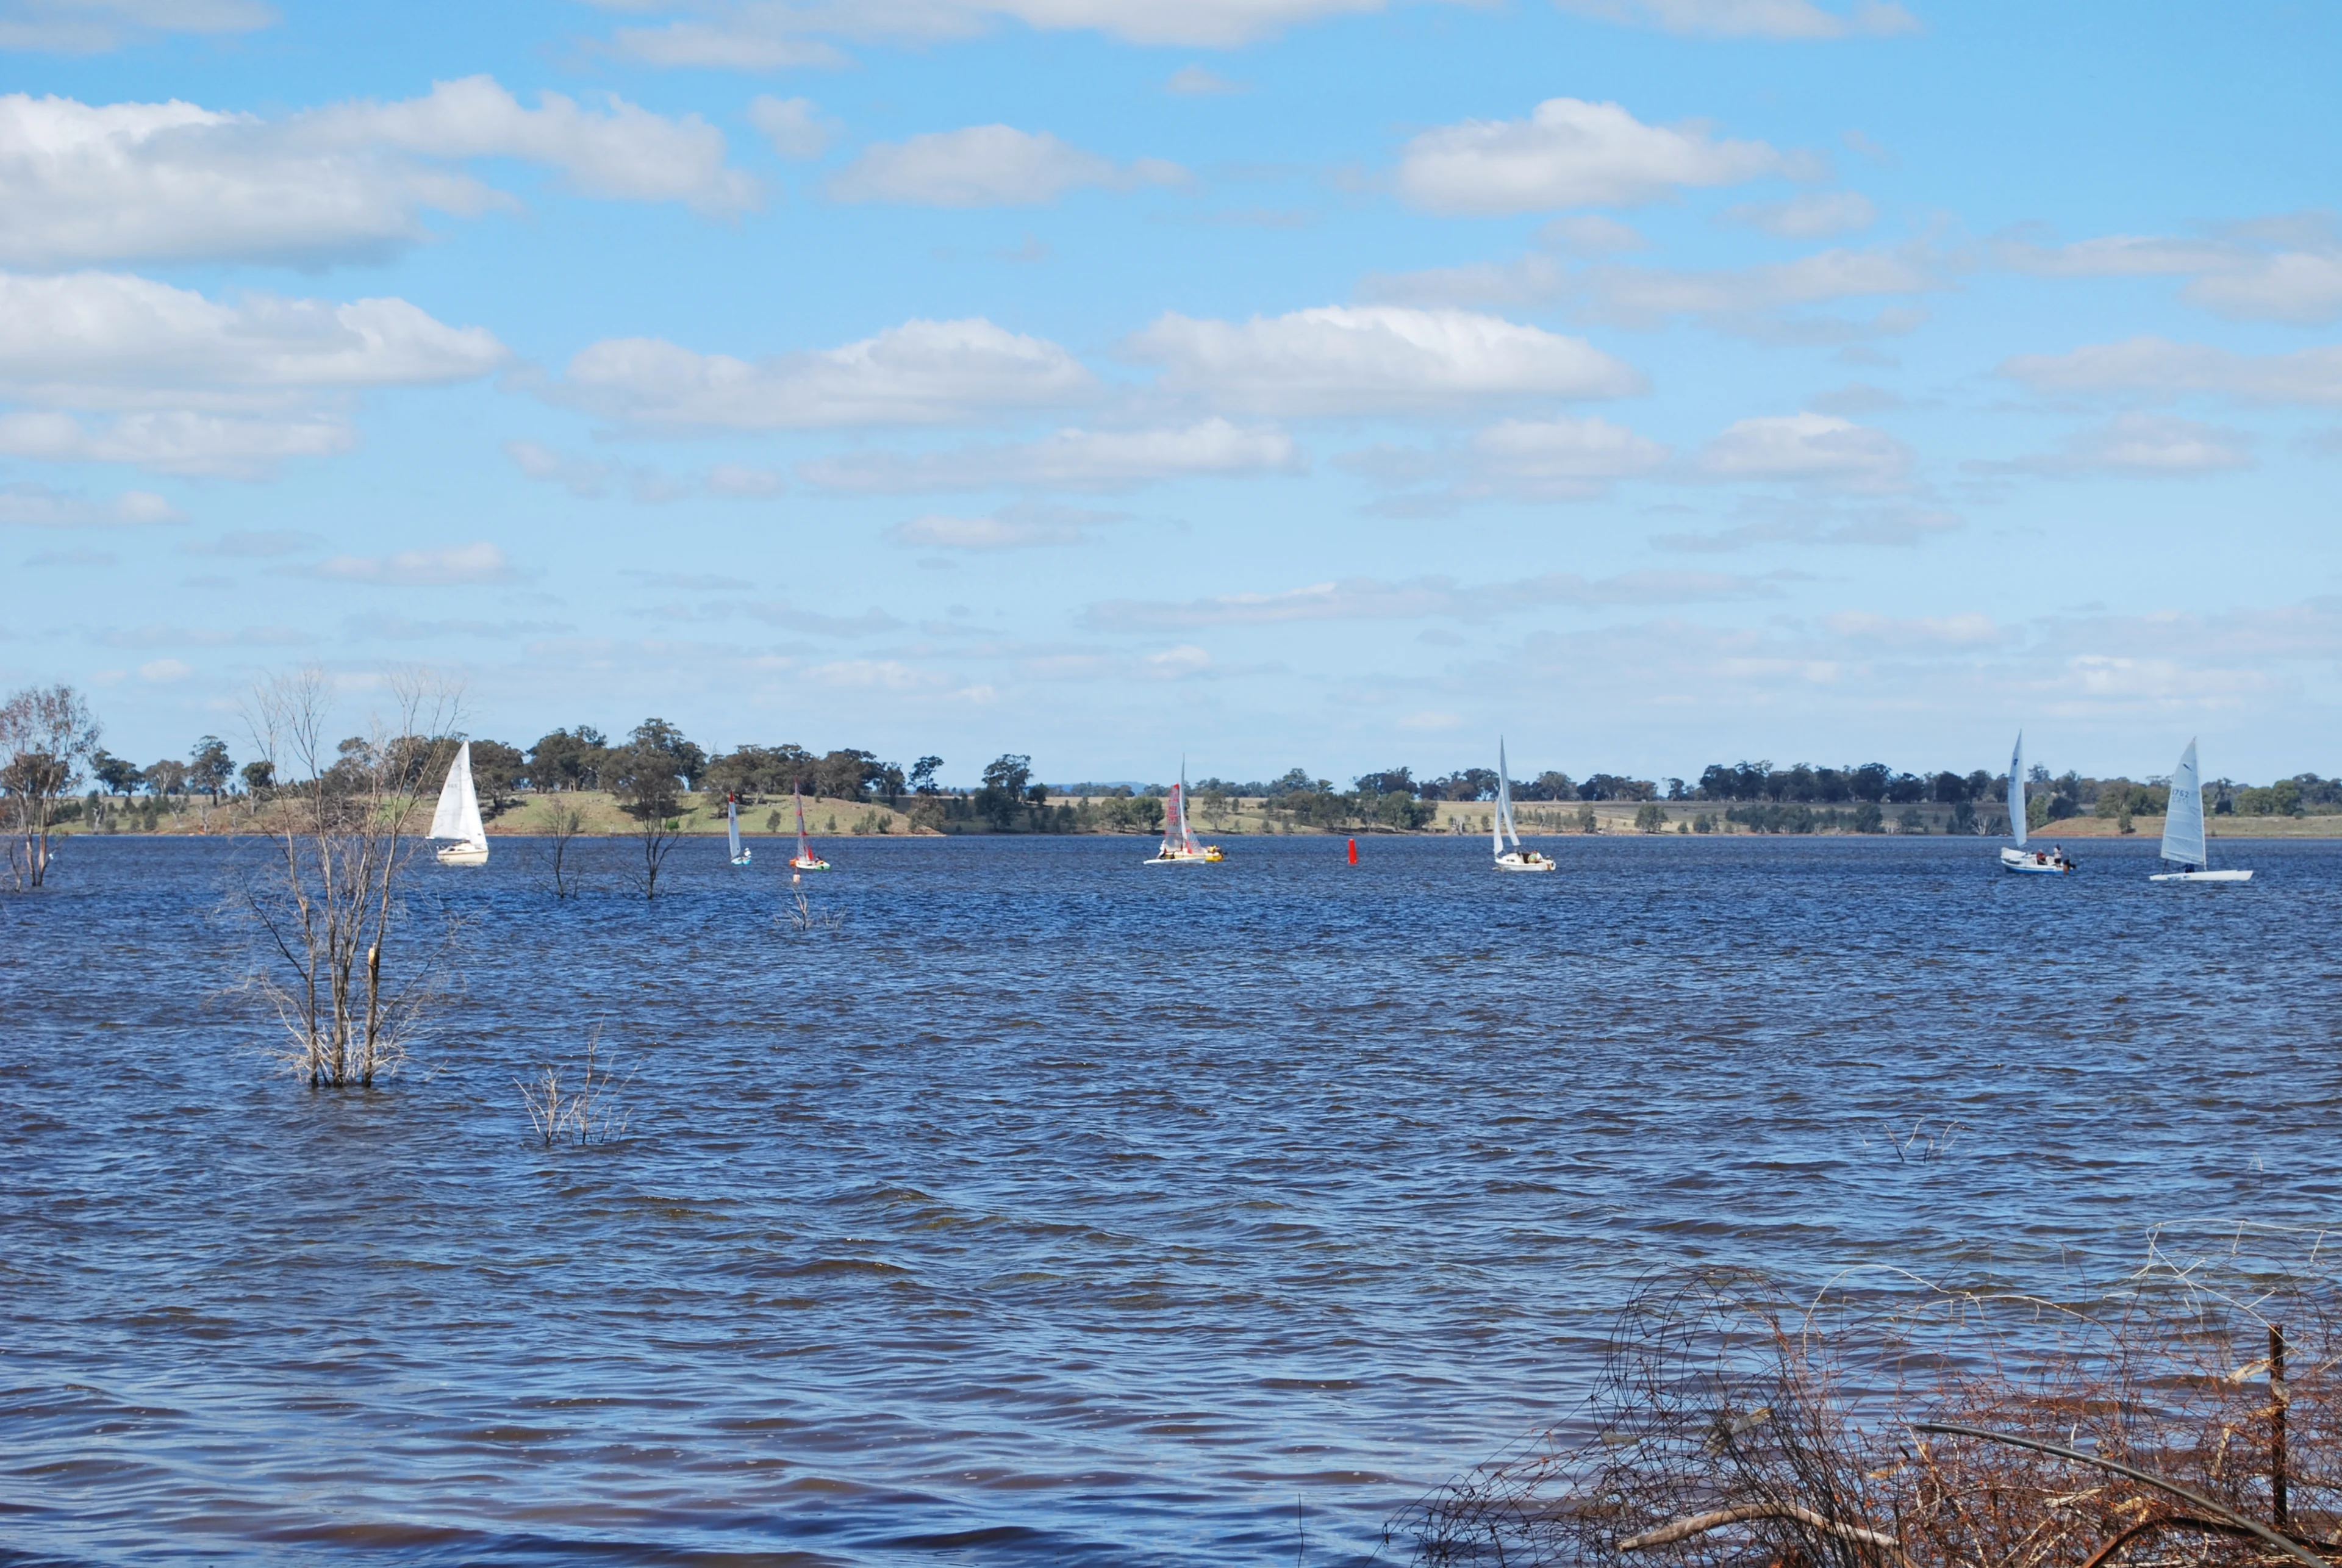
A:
<point x="2165" y="1419"/>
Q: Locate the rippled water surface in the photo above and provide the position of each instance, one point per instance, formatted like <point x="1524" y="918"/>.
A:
<point x="1053" y="1210"/>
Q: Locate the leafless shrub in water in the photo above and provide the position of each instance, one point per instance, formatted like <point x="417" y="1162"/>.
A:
<point x="1736" y="1427"/>
<point x="567" y="824"/>
<point x="326" y="902"/>
<point x="804" y="920"/>
<point x="587" y="1112"/>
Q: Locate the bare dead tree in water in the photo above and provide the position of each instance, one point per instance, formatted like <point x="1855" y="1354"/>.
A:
<point x="583" y="1110"/>
<point x="327" y="903"/>
<point x="2163" y="1420"/>
<point x="46" y="733"/>
<point x="568" y="821"/>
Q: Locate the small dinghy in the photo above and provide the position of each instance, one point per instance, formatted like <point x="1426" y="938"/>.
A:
<point x="2183" y="829"/>
<point x="1180" y="844"/>
<point x="1515" y="858"/>
<point x="2051" y="861"/>
<point x="804" y="859"/>
<point x="458" y="815"/>
<point x="740" y="857"/>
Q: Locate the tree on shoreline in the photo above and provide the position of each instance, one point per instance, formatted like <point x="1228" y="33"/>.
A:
<point x="46" y="733"/>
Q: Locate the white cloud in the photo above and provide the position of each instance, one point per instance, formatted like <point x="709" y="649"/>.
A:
<point x="108" y="340"/>
<point x="1902" y="527"/>
<point x="2155" y="366"/>
<point x="1570" y="153"/>
<point x="2292" y="286"/>
<point x="1372" y="599"/>
<point x="2111" y="255"/>
<point x="163" y="671"/>
<point x="1070" y="460"/>
<point x="773" y="34"/>
<point x="592" y="478"/>
<point x="81" y="183"/>
<point x="2147" y="443"/>
<point x="202" y="445"/>
<point x="1341" y="359"/>
<point x="1023" y="526"/>
<point x="1194" y="82"/>
<point x="740" y="483"/>
<point x="39" y="507"/>
<point x="1171" y="663"/>
<point x="1968" y="629"/>
<point x="985" y="166"/>
<point x="447" y="567"/>
<point x="92" y="27"/>
<point x="1524" y="280"/>
<point x="252" y="543"/>
<point x="1814" y="215"/>
<point x="2238" y="276"/>
<point x="1522" y="459"/>
<point x="921" y="373"/>
<point x="794" y="125"/>
<point x="1778" y="19"/>
<point x="1811" y="448"/>
<point x="1645" y="294"/>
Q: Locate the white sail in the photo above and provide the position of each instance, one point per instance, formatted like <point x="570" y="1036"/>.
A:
<point x="2183" y="822"/>
<point x="732" y="822"/>
<point x="457" y="815"/>
<point x="1505" y="828"/>
<point x="2016" y="791"/>
<point x="1188" y="842"/>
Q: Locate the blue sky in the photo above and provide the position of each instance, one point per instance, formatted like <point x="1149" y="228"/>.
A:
<point x="1273" y="381"/>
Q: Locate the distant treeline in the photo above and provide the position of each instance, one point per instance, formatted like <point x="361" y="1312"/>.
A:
<point x="656" y="756"/>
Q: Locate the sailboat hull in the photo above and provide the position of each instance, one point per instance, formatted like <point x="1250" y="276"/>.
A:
<point x="2032" y="863"/>
<point x="465" y="855"/>
<point x="1523" y="860"/>
<point x="1183" y="857"/>
<point x="2202" y="876"/>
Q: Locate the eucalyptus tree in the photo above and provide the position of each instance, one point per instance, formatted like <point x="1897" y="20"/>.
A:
<point x="47" y="734"/>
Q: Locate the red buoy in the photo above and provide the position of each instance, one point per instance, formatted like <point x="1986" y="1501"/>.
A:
<point x="1353" y="852"/>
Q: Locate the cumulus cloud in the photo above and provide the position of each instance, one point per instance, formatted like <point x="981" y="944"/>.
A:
<point x="198" y="446"/>
<point x="1777" y="19"/>
<point x="1195" y="82"/>
<point x="2145" y="443"/>
<point x="108" y="340"/>
<point x="1372" y="599"/>
<point x="592" y="478"/>
<point x="793" y="125"/>
<point x="1070" y="459"/>
<point x="94" y="27"/>
<point x="1901" y="527"/>
<point x="1024" y="526"/>
<point x="1517" y="459"/>
<point x="448" y="565"/>
<point x="1342" y="359"/>
<point x="986" y="166"/>
<point x="1807" y="448"/>
<point x="1645" y="294"/>
<point x="39" y="507"/>
<point x="1567" y="153"/>
<point x="2288" y="269"/>
<point x="2157" y="367"/>
<point x="83" y="183"/>
<point x="773" y="34"/>
<point x="1814" y="215"/>
<point x="921" y="373"/>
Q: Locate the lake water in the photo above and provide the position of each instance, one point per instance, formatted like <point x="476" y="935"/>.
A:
<point x="1055" y="1210"/>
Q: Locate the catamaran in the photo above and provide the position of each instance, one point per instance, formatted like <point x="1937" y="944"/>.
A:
<point x="458" y="815"/>
<point x="1515" y="858"/>
<point x="732" y="823"/>
<point x="1180" y="844"/>
<point x="2183" y="829"/>
<point x="804" y="859"/>
<point x="2023" y="861"/>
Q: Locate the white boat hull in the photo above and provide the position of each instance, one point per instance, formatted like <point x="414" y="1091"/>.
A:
<point x="2202" y="876"/>
<point x="1205" y="859"/>
<point x="465" y="855"/>
<point x="1518" y="860"/>
<point x="2029" y="862"/>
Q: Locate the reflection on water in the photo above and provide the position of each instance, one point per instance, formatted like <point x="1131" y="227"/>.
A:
<point x="1053" y="1210"/>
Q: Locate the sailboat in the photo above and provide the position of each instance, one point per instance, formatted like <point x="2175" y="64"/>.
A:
<point x="1515" y="858"/>
<point x="732" y="823"/>
<point x="1180" y="844"/>
<point x="804" y="859"/>
<point x="2023" y="861"/>
<point x="2183" y="829"/>
<point x="457" y="815"/>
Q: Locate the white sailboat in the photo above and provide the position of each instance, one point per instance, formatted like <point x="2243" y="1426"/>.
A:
<point x="732" y="823"/>
<point x="1515" y="858"/>
<point x="457" y="815"/>
<point x="2023" y="861"/>
<point x="804" y="859"/>
<point x="1180" y="844"/>
<point x="2183" y="829"/>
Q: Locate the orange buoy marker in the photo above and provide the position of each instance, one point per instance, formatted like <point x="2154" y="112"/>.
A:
<point x="1353" y="852"/>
